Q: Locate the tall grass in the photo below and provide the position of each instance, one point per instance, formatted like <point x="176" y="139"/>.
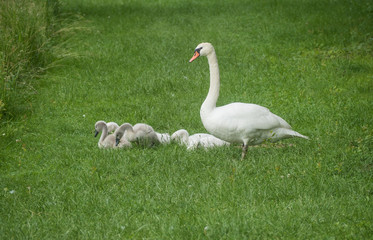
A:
<point x="27" y="30"/>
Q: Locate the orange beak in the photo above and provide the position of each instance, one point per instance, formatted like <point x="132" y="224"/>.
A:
<point x="196" y="55"/>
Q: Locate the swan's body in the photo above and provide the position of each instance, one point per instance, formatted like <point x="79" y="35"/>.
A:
<point x="163" y="138"/>
<point x="245" y="123"/>
<point x="140" y="133"/>
<point x="197" y="140"/>
<point x="109" y="140"/>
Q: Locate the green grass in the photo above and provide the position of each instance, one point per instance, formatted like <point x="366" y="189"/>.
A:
<point x="310" y="62"/>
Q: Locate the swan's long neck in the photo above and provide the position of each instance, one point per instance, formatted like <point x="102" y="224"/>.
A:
<point x="210" y="102"/>
<point x="128" y="131"/>
<point x="103" y="134"/>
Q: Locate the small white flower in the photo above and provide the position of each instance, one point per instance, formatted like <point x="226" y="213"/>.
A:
<point x="3" y="134"/>
<point x="122" y="227"/>
<point x="84" y="115"/>
<point x="205" y="229"/>
<point x="281" y="176"/>
<point x="12" y="191"/>
<point x="288" y="175"/>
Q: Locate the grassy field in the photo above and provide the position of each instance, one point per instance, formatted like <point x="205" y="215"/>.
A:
<point x="310" y="62"/>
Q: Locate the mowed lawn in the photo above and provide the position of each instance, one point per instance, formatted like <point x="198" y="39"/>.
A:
<point x="309" y="62"/>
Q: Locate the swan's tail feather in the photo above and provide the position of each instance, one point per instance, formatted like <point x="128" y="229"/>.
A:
<point x="288" y="133"/>
<point x="296" y="134"/>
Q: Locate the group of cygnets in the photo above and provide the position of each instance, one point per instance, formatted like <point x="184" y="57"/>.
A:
<point x="115" y="136"/>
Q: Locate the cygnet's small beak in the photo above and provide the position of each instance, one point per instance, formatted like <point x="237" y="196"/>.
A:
<point x="196" y="55"/>
<point x="96" y="133"/>
<point x="117" y="141"/>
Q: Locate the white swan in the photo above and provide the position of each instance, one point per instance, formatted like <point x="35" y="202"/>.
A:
<point x="199" y="139"/>
<point x="109" y="141"/>
<point x="245" y="123"/>
<point x="140" y="133"/>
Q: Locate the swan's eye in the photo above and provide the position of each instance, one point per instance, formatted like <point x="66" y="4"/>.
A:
<point x="196" y="54"/>
<point x="198" y="50"/>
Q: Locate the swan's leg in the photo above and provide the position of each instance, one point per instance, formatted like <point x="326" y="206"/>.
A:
<point x="244" y="151"/>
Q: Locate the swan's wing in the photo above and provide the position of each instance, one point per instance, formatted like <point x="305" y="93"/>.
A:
<point x="216" y="141"/>
<point x="201" y="139"/>
<point x="192" y="144"/>
<point x="198" y="136"/>
<point x="211" y="141"/>
<point x="145" y="134"/>
<point x="237" y="121"/>
<point x="142" y="130"/>
<point x="142" y="127"/>
<point x="243" y="115"/>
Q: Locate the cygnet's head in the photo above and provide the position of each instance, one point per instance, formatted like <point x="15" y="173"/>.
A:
<point x="203" y="49"/>
<point x="180" y="136"/>
<point x="118" y="135"/>
<point x="99" y="125"/>
<point x="112" y="126"/>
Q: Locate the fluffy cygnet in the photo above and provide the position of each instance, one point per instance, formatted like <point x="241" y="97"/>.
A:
<point x="140" y="133"/>
<point x="109" y="141"/>
<point x="197" y="140"/>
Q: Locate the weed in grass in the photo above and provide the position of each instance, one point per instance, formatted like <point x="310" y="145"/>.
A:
<point x="30" y="34"/>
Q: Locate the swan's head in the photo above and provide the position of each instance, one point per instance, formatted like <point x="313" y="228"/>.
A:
<point x="99" y="126"/>
<point x="118" y="135"/>
<point x="112" y="126"/>
<point x="203" y="49"/>
<point x="181" y="136"/>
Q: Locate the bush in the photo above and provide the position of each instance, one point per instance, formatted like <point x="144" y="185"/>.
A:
<point x="27" y="28"/>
